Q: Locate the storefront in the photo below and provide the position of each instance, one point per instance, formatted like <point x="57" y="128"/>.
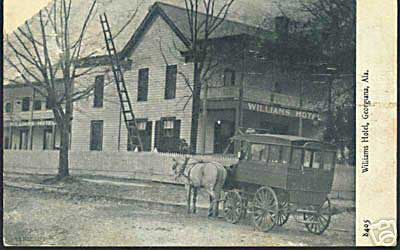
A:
<point x="31" y="135"/>
<point x="263" y="118"/>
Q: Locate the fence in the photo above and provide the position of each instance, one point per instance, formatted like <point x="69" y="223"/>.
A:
<point x="143" y="165"/>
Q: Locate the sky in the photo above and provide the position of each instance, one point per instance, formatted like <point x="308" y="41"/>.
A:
<point x="17" y="11"/>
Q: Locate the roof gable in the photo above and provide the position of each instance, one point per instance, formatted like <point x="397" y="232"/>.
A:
<point x="176" y="18"/>
<point x="153" y="13"/>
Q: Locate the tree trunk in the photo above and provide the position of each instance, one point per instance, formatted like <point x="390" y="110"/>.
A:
<point x="204" y="119"/>
<point x="63" y="163"/>
<point x="195" y="109"/>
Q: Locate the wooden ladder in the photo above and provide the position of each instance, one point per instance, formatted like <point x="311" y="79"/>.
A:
<point x="126" y="106"/>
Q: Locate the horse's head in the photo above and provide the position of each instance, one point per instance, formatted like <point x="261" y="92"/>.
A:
<point x="175" y="166"/>
<point x="179" y="168"/>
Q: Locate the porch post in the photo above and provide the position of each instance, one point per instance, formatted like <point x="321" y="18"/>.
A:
<point x="153" y="135"/>
<point x="301" y="105"/>
<point x="53" y="136"/>
<point x="30" y="141"/>
<point x="31" y="137"/>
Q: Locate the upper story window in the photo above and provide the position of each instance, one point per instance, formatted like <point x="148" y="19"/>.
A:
<point x="229" y="77"/>
<point x="98" y="92"/>
<point x="277" y="87"/>
<point x="8" y="107"/>
<point x="143" y="84"/>
<point x="170" y="82"/>
<point x="37" y="105"/>
<point x="47" y="103"/>
<point x="26" y="102"/>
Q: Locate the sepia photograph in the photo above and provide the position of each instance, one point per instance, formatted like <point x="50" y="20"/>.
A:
<point x="181" y="123"/>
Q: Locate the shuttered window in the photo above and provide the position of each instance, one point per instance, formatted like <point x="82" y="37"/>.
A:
<point x="167" y="135"/>
<point x="143" y="84"/>
<point x="170" y="82"/>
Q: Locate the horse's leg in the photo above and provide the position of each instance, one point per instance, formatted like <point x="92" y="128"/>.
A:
<point x="211" y="206"/>
<point x="194" y="199"/>
<point x="188" y="196"/>
<point x="217" y="198"/>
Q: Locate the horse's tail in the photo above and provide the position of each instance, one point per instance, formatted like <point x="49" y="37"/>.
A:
<point x="221" y="176"/>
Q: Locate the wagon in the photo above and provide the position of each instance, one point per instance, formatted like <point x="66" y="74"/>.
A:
<point x="278" y="176"/>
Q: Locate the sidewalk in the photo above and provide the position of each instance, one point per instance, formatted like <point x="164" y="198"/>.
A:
<point x="157" y="195"/>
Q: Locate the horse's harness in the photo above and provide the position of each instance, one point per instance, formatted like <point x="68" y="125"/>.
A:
<point x="189" y="166"/>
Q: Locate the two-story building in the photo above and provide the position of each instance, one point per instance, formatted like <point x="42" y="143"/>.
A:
<point x="243" y="92"/>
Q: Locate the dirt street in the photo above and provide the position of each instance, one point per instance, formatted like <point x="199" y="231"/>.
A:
<point x="37" y="218"/>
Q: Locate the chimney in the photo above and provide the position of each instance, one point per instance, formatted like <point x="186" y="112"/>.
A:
<point x="282" y="28"/>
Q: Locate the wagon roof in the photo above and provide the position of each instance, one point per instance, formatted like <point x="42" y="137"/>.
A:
<point x="277" y="138"/>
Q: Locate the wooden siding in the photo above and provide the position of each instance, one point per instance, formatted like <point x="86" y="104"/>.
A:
<point x="146" y="55"/>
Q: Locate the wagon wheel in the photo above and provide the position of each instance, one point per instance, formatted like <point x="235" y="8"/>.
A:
<point x="318" y="222"/>
<point x="283" y="214"/>
<point x="265" y="209"/>
<point x="234" y="207"/>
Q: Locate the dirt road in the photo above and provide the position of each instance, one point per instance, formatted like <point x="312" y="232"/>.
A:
<point x="36" y="218"/>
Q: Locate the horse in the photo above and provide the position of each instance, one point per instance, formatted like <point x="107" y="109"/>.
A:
<point x="200" y="174"/>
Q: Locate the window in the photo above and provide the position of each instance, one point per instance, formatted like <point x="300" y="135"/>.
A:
<point x="8" y="107"/>
<point x="47" y="139"/>
<point x="168" y="126"/>
<point x="257" y="151"/>
<point x="317" y="159"/>
<point x="329" y="158"/>
<point x="144" y="128"/>
<point x="26" y="102"/>
<point x="98" y="92"/>
<point x="284" y="155"/>
<point x="296" y="158"/>
<point x="143" y="84"/>
<point x="37" y="105"/>
<point x="274" y="153"/>
<point x="96" y="135"/>
<point x="277" y="87"/>
<point x="229" y="77"/>
<point x="307" y="159"/>
<point x="265" y="155"/>
<point x="167" y="135"/>
<point x="170" y="82"/>
<point x="47" y="103"/>
<point x="141" y="125"/>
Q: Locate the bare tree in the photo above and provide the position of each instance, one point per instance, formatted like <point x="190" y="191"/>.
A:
<point x="202" y="26"/>
<point x="46" y="56"/>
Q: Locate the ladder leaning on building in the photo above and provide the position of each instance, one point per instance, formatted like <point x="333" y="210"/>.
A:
<point x="126" y="106"/>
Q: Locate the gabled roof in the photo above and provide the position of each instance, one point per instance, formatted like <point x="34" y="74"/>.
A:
<point x="176" y="18"/>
